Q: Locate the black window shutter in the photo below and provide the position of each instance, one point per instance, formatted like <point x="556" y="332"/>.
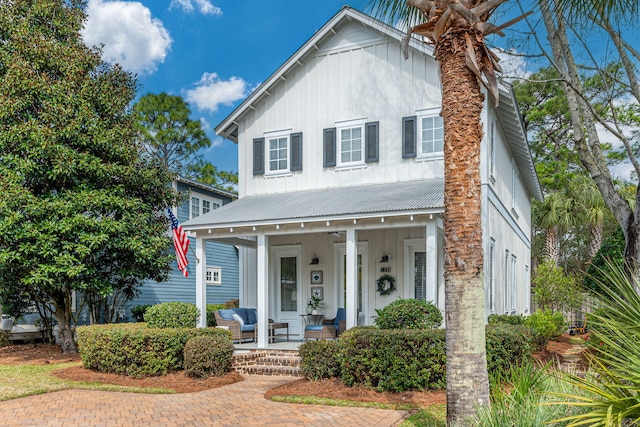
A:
<point x="258" y="156"/>
<point x="296" y="151"/>
<point x="329" y="142"/>
<point x="371" y="142"/>
<point x="409" y="137"/>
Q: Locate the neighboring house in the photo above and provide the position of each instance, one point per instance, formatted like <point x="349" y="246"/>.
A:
<point x="341" y="181"/>
<point x="221" y="261"/>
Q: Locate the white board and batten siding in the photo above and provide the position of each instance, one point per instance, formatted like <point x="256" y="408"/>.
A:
<point x="343" y="80"/>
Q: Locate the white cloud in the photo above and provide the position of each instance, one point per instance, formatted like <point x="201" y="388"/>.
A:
<point x="204" y="6"/>
<point x="513" y="64"/>
<point x="131" y="36"/>
<point x="211" y="92"/>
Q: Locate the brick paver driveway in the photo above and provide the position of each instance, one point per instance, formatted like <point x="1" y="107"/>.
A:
<point x="239" y="404"/>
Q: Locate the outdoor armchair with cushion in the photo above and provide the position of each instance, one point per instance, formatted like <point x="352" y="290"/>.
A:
<point x="339" y="322"/>
<point x="240" y="321"/>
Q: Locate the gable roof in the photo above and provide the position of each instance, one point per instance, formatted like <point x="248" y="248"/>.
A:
<point x="206" y="187"/>
<point x="507" y="109"/>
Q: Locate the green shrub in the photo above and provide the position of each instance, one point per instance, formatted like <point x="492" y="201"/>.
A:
<point x="4" y="338"/>
<point x="232" y="303"/>
<point x="211" y="318"/>
<point x="507" y="346"/>
<point x="393" y="359"/>
<point x="206" y="356"/>
<point x="136" y="350"/>
<point x="172" y="315"/>
<point x="545" y="325"/>
<point x="320" y="359"/>
<point x="506" y="319"/>
<point x="138" y="311"/>
<point x="409" y="314"/>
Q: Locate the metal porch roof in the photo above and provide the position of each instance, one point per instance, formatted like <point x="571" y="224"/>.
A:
<point x="364" y="200"/>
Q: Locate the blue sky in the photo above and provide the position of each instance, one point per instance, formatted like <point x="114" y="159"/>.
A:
<point x="213" y="53"/>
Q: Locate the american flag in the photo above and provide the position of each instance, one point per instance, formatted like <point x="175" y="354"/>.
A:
<point x="181" y="243"/>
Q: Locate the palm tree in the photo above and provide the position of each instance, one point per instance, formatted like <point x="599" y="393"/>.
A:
<point x="554" y="216"/>
<point x="457" y="29"/>
<point x="591" y="210"/>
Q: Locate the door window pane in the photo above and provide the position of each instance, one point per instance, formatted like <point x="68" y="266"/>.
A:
<point x="420" y="275"/>
<point x="288" y="284"/>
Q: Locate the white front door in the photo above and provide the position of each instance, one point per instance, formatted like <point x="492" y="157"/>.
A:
<point x="286" y="306"/>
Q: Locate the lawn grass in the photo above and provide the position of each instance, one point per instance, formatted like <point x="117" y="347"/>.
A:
<point x="432" y="416"/>
<point x="28" y="380"/>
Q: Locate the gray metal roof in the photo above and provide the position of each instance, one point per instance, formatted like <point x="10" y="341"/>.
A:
<point x="364" y="200"/>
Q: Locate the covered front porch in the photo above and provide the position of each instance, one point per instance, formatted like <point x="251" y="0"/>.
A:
<point x="335" y="245"/>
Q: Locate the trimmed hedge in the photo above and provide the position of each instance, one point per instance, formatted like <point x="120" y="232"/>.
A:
<point x="206" y="356"/>
<point x="409" y="314"/>
<point x="506" y="319"/>
<point x="136" y="350"/>
<point x="393" y="359"/>
<point x="172" y="315"/>
<point x="320" y="359"/>
<point x="400" y="360"/>
<point x="507" y="345"/>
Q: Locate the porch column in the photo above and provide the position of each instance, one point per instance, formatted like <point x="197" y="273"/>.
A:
<point x="201" y="275"/>
<point x="262" y="267"/>
<point x="351" y="303"/>
<point x="432" y="262"/>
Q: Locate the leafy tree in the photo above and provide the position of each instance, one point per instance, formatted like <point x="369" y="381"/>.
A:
<point x="599" y="95"/>
<point x="554" y="290"/>
<point x="168" y="134"/>
<point x="207" y="173"/>
<point x="173" y="139"/>
<point x="81" y="210"/>
<point x="611" y="254"/>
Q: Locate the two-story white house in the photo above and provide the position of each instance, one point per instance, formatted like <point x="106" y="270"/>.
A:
<point x="341" y="182"/>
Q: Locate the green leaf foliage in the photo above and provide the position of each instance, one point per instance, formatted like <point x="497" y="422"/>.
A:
<point x="611" y="254"/>
<point x="136" y="350"/>
<point x="409" y="314"/>
<point x="173" y="314"/>
<point x="320" y="359"/>
<point x="82" y="209"/>
<point x="206" y="356"/>
<point x="545" y="324"/>
<point x="609" y="392"/>
<point x="555" y="290"/>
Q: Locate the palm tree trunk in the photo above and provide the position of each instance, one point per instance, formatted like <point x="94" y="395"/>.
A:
<point x="552" y="245"/>
<point x="462" y="103"/>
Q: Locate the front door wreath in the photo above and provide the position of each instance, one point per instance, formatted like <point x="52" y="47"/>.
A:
<point x="386" y="284"/>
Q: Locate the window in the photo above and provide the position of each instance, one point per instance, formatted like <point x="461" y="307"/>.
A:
<point x="431" y="136"/>
<point x="423" y="135"/>
<point x="492" y="151"/>
<point x="201" y="205"/>
<point x="527" y="289"/>
<point x="278" y="154"/>
<point x="505" y="294"/>
<point x="351" y="145"/>
<point x="195" y="207"/>
<point x="515" y="188"/>
<point x="512" y="293"/>
<point x="420" y="275"/>
<point x="214" y="276"/>
<point x="490" y="277"/>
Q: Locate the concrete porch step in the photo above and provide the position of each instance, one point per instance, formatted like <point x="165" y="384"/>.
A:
<point x="268" y="362"/>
